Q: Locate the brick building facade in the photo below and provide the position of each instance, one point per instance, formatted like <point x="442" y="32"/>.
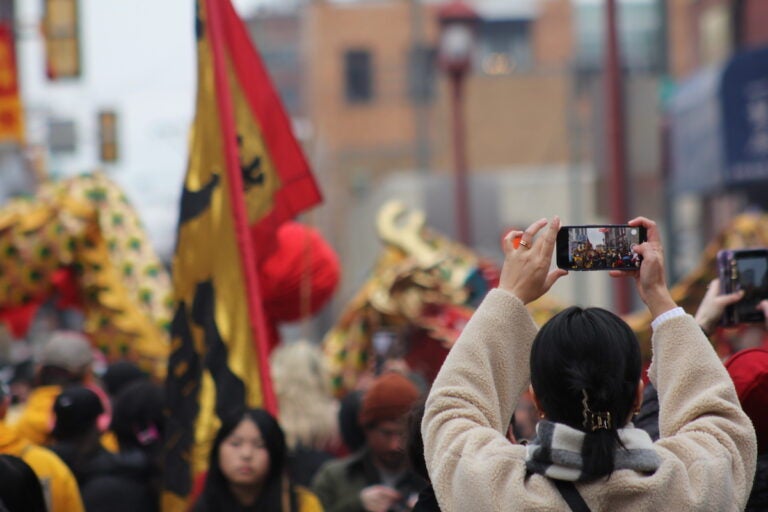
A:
<point x="380" y="118"/>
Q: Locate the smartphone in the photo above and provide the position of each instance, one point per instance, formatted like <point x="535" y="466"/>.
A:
<point x="599" y="247"/>
<point x="383" y="346"/>
<point x="743" y="269"/>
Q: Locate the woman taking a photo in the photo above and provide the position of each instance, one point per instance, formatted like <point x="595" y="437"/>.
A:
<point x="584" y="370"/>
<point x="246" y="469"/>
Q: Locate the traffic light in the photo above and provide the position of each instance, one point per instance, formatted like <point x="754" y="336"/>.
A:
<point x="62" y="39"/>
<point x="108" y="136"/>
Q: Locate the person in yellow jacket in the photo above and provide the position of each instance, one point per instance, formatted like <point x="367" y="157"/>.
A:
<point x="247" y="468"/>
<point x="59" y="485"/>
<point x="65" y="360"/>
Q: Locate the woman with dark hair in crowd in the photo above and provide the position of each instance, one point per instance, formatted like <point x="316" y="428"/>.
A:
<point x="129" y="480"/>
<point x="584" y="367"/>
<point x="20" y="489"/>
<point x="247" y="469"/>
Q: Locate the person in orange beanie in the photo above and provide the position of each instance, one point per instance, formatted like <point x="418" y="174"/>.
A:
<point x="377" y="478"/>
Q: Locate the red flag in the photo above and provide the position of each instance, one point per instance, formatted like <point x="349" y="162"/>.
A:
<point x="299" y="190"/>
<point x="246" y="175"/>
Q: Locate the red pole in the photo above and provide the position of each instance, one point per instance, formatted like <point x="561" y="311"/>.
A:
<point x="257" y="318"/>
<point x="460" y="158"/>
<point x="615" y="133"/>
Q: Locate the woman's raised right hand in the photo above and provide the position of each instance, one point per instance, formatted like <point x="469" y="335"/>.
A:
<point x="526" y="271"/>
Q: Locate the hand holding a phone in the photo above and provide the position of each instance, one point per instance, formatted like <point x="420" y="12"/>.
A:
<point x="379" y="498"/>
<point x="763" y="306"/>
<point x="526" y="270"/>
<point x="650" y="278"/>
<point x="713" y="305"/>
<point x="745" y="270"/>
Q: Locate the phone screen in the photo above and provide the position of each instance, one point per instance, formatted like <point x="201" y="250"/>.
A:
<point x="752" y="277"/>
<point x="605" y="247"/>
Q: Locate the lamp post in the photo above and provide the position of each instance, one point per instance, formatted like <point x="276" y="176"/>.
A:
<point x="458" y="22"/>
<point x="616" y="151"/>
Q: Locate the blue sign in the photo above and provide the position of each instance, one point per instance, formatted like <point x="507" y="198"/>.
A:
<point x="719" y="126"/>
<point x="744" y="99"/>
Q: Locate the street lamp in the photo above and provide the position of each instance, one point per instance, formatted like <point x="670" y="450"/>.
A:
<point x="458" y="22"/>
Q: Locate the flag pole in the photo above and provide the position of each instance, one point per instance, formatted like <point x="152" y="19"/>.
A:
<point x="239" y="211"/>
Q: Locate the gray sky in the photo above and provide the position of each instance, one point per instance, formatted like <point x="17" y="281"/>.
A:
<point x="138" y="59"/>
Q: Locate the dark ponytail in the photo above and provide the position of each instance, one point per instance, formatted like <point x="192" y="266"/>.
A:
<point x="598" y="452"/>
<point x="585" y="367"/>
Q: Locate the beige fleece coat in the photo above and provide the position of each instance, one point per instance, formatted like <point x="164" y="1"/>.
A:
<point x="707" y="445"/>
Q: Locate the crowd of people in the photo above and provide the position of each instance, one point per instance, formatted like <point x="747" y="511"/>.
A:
<point x="94" y="444"/>
<point x="520" y="417"/>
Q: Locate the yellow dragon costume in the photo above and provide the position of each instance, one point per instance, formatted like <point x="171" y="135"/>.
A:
<point x="83" y="232"/>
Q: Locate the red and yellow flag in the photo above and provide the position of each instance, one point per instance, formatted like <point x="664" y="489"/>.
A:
<point x="246" y="175"/>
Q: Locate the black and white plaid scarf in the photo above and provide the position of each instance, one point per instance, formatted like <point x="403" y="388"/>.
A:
<point x="556" y="452"/>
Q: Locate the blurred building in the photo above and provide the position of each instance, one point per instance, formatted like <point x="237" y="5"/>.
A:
<point x="717" y="114"/>
<point x="375" y="117"/>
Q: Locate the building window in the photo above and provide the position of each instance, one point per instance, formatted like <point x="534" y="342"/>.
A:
<point x="422" y="64"/>
<point x="639" y="30"/>
<point x="62" y="39"/>
<point x="358" y="76"/>
<point x="505" y="46"/>
<point x="62" y="136"/>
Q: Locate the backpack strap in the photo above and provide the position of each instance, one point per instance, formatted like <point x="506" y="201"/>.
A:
<point x="571" y="496"/>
